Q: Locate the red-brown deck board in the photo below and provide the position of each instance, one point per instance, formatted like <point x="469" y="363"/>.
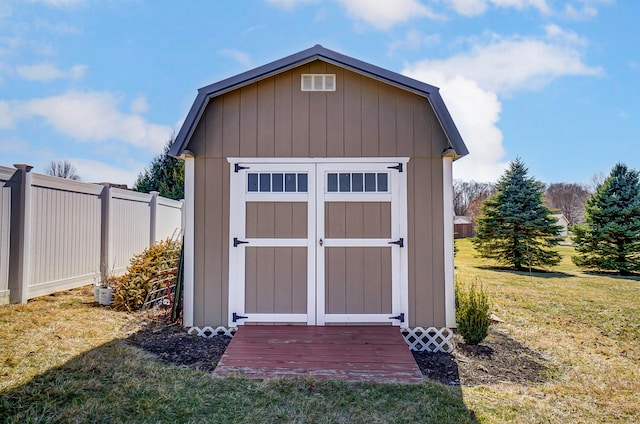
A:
<point x="353" y="353"/>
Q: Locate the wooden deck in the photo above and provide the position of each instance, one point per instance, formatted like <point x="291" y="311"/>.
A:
<point x="352" y="353"/>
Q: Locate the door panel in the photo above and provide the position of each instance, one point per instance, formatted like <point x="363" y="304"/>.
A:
<point x="358" y="219"/>
<point x="276" y="280"/>
<point x="276" y="220"/>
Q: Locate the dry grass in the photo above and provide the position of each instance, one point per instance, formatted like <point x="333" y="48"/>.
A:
<point x="49" y="330"/>
<point x="587" y="324"/>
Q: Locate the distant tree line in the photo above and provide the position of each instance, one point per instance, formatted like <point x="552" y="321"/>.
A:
<point x="565" y="198"/>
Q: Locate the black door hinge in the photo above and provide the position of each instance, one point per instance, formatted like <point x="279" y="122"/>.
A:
<point x="236" y="317"/>
<point x="237" y="242"/>
<point x="399" y="317"/>
<point x="237" y="167"/>
<point x="399" y="242"/>
<point x="398" y="167"/>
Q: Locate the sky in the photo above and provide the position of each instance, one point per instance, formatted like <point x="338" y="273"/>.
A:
<point x="105" y="83"/>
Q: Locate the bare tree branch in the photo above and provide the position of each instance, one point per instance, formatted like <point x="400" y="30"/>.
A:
<point x="62" y="169"/>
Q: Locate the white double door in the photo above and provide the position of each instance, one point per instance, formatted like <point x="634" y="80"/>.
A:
<point x="318" y="242"/>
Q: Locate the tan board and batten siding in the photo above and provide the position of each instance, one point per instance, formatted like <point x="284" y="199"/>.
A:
<point x="364" y="117"/>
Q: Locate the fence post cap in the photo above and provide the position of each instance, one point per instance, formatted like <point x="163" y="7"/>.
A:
<point x="23" y="166"/>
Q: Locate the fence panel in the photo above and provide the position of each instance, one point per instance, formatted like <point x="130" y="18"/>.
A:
<point x="168" y="218"/>
<point x="5" y="228"/>
<point x="129" y="227"/>
<point x="57" y="234"/>
<point x="65" y="239"/>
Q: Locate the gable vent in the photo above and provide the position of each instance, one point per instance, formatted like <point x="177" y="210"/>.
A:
<point x="318" y="82"/>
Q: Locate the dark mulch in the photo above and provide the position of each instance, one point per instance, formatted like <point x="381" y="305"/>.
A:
<point x="499" y="359"/>
<point x="173" y="345"/>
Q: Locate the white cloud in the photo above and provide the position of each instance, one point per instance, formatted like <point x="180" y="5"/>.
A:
<point x="290" y="4"/>
<point x="94" y="116"/>
<point x="413" y="40"/>
<point x="541" y="5"/>
<point x="577" y="10"/>
<point x="582" y="13"/>
<point x="59" y="3"/>
<point x="100" y="172"/>
<point x="472" y="81"/>
<point x="6" y="116"/>
<point x="47" y="72"/>
<point x="139" y="105"/>
<point x="384" y="14"/>
<point x="583" y="9"/>
<point x="469" y="7"/>
<point x="508" y="64"/>
<point x="239" y="56"/>
<point x="476" y="113"/>
<point x="478" y="7"/>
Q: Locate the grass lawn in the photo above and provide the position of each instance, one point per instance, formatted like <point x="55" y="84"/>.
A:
<point x="63" y="359"/>
<point x="587" y="324"/>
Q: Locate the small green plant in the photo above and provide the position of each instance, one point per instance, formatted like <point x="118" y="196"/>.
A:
<point x="472" y="312"/>
<point x="133" y="287"/>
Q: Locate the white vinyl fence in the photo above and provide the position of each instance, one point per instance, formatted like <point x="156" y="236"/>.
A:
<point x="57" y="234"/>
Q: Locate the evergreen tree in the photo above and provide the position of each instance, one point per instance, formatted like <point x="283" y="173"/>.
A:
<point x="165" y="175"/>
<point x="515" y="228"/>
<point x="610" y="238"/>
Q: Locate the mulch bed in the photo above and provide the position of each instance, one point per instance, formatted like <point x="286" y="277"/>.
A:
<point x="499" y="359"/>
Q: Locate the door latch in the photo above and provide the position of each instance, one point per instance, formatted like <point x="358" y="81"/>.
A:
<point x="321" y="242"/>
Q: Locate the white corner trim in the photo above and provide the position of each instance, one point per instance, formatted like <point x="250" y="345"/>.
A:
<point x="447" y="197"/>
<point x="189" y="240"/>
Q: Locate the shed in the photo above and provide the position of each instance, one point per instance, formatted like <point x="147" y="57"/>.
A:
<point x="318" y="191"/>
<point x="463" y="227"/>
<point x="563" y="222"/>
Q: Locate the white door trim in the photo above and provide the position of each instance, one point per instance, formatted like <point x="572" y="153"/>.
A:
<point x="315" y="168"/>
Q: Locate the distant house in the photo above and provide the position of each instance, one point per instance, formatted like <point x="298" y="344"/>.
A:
<point x="463" y="227"/>
<point x="319" y="191"/>
<point x="562" y="221"/>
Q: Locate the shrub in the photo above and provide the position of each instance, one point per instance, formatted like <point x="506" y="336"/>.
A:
<point x="133" y="287"/>
<point x="472" y="312"/>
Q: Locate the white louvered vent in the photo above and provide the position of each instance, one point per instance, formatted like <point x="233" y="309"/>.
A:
<point x="318" y="82"/>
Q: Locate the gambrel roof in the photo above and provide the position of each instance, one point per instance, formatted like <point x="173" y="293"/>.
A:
<point x="318" y="52"/>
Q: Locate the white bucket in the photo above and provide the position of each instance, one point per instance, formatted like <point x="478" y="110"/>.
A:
<point x="106" y="296"/>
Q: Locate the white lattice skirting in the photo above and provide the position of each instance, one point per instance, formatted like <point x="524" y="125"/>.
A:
<point x="418" y="339"/>
<point x="210" y="332"/>
<point x="430" y="340"/>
